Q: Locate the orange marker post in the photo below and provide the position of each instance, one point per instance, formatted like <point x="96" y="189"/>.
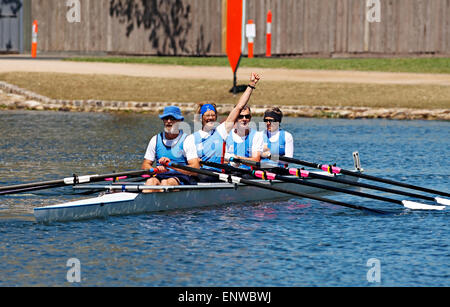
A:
<point x="34" y="39"/>
<point x="269" y="35"/>
<point x="234" y="36"/>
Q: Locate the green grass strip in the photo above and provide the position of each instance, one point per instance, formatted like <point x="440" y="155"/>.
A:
<point x="408" y="65"/>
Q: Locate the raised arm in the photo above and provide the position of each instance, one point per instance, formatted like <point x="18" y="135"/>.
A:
<point x="243" y="101"/>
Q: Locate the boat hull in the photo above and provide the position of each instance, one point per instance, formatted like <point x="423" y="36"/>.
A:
<point x="204" y="195"/>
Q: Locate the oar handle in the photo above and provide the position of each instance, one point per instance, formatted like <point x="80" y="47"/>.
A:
<point x="122" y="175"/>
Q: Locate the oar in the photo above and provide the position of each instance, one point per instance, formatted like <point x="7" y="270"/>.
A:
<point x="306" y="174"/>
<point x="29" y="189"/>
<point x="337" y="170"/>
<point x="237" y="180"/>
<point x="272" y="176"/>
<point x="14" y="189"/>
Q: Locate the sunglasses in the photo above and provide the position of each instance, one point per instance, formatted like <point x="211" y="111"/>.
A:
<point x="270" y="121"/>
<point x="245" y="116"/>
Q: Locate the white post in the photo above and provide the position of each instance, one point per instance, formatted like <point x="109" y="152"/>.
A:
<point x="243" y="26"/>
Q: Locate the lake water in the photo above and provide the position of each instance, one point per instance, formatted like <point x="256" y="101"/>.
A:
<point x="291" y="243"/>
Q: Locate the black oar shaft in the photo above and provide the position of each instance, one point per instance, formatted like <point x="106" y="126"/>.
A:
<point x="284" y="171"/>
<point x="273" y="188"/>
<point x="311" y="184"/>
<point x="30" y="189"/>
<point x="400" y="184"/>
<point x="370" y="186"/>
<point x="67" y="181"/>
<point x="364" y="176"/>
<point x="31" y="185"/>
<point x="297" y="161"/>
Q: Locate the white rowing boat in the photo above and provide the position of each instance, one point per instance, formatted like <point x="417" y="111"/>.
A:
<point x="127" y="198"/>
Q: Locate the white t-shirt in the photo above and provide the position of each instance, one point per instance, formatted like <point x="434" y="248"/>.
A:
<point x="188" y="151"/>
<point x="257" y="145"/>
<point x="289" y="149"/>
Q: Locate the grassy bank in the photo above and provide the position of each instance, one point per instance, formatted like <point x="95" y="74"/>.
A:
<point x="409" y="65"/>
<point x="123" y="88"/>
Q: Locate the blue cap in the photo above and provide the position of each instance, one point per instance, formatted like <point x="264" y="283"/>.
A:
<point x="173" y="111"/>
<point x="207" y="107"/>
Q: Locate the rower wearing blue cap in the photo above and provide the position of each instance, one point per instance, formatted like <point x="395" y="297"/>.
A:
<point x="170" y="146"/>
<point x="172" y="111"/>
<point x="210" y="141"/>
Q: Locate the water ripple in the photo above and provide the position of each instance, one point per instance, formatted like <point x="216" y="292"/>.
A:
<point x="289" y="243"/>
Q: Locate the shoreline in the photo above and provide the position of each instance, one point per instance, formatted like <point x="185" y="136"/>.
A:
<point x="13" y="97"/>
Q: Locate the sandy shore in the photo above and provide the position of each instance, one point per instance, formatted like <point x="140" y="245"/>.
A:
<point x="218" y="73"/>
<point x="12" y="97"/>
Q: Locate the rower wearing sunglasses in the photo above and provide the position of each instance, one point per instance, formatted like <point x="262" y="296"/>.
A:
<point x="276" y="140"/>
<point x="244" y="142"/>
<point x="210" y="141"/>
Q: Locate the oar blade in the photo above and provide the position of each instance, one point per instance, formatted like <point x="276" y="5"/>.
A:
<point x="418" y="206"/>
<point x="442" y="201"/>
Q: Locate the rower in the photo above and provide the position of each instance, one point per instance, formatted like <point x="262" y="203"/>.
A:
<point x="244" y="142"/>
<point x="210" y="141"/>
<point x="277" y="142"/>
<point x="170" y="146"/>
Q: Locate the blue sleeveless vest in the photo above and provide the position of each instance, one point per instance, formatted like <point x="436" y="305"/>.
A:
<point x="276" y="148"/>
<point x="209" y="149"/>
<point x="243" y="149"/>
<point x="174" y="153"/>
